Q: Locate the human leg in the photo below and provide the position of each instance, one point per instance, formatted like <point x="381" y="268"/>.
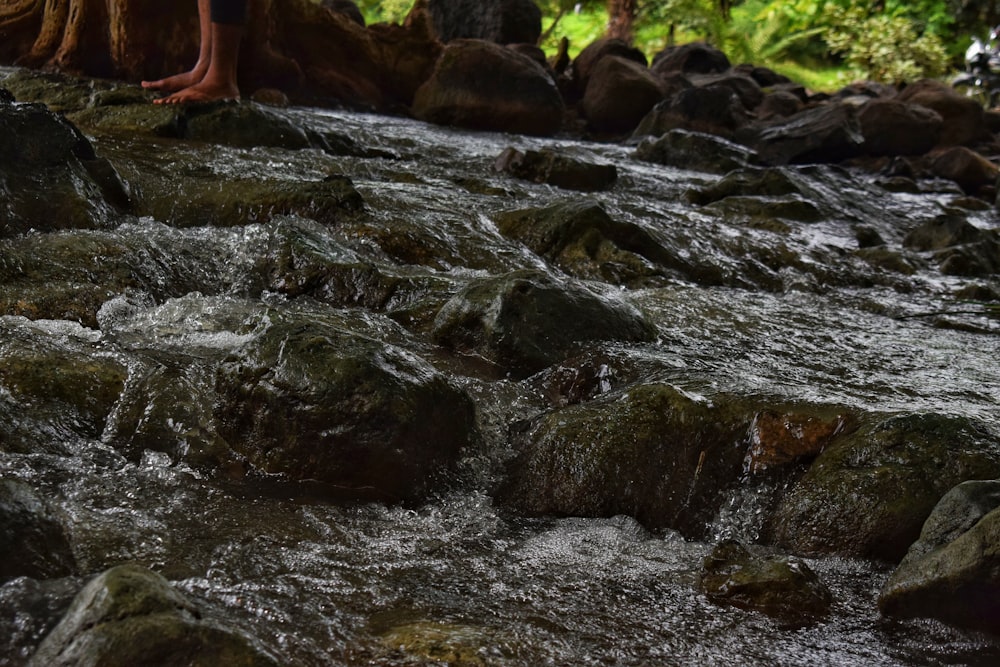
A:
<point x="197" y="73"/>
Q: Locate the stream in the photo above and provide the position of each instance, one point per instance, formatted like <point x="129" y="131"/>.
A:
<point x="791" y="313"/>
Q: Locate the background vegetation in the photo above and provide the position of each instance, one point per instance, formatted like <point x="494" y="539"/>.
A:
<point x="822" y="43"/>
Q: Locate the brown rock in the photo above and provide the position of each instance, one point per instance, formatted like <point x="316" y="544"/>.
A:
<point x="619" y="94"/>
<point x="696" y="57"/>
<point x="892" y="127"/>
<point x="964" y="119"/>
<point x="969" y="169"/>
<point x="780" y="438"/>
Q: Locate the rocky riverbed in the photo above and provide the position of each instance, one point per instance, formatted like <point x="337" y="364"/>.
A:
<point x="302" y="386"/>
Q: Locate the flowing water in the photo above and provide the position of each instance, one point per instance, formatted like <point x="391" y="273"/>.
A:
<point x="792" y="314"/>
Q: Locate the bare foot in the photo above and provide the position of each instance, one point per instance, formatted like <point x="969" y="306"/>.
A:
<point x="176" y="82"/>
<point x="203" y="91"/>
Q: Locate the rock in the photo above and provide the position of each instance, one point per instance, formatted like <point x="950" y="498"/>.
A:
<point x="870" y="491"/>
<point x="129" y="615"/>
<point x="711" y="109"/>
<point x="547" y="166"/>
<point x="594" y="53"/>
<point x="764" y="76"/>
<point x="749" y="91"/>
<point x="581" y="238"/>
<point x="461" y="645"/>
<point x="974" y="260"/>
<point x="317" y="400"/>
<point x="943" y="231"/>
<point x="346" y="7"/>
<point x="500" y="21"/>
<point x="483" y="86"/>
<point x="619" y="94"/>
<point x="779" y="104"/>
<point x="827" y="133"/>
<point x="969" y="169"/>
<point x="696" y="151"/>
<point x="778" y="586"/>
<point x="963" y="120"/>
<point x="519" y="320"/>
<point x="777" y="438"/>
<point x="694" y="58"/>
<point x="649" y="451"/>
<point x="891" y="127"/>
<point x="952" y="572"/>
<point x="50" y="177"/>
<point x="32" y="540"/>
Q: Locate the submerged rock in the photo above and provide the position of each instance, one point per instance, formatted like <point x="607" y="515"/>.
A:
<point x="870" y="491"/>
<point x="129" y="616"/>
<point x="33" y="542"/>
<point x="782" y="587"/>
<point x="952" y="572"/>
<point x="527" y="320"/>
<point x="548" y="166"/>
<point x="482" y="86"/>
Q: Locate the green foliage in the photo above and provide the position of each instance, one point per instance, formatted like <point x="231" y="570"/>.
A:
<point x="884" y="47"/>
<point x="384" y="11"/>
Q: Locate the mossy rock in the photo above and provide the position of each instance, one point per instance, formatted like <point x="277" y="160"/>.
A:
<point x="526" y="321"/>
<point x="453" y="644"/>
<point x="319" y="401"/>
<point x="650" y="451"/>
<point x="130" y="615"/>
<point x="952" y="572"/>
<point x="140" y="119"/>
<point x="868" y="494"/>
<point x="778" y="586"/>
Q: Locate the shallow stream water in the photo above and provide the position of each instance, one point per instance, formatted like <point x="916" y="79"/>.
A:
<point x="797" y="316"/>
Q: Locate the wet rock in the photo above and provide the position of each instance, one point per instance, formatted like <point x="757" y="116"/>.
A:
<point x="969" y="169"/>
<point x="455" y="644"/>
<point x="823" y="134"/>
<point x="697" y="151"/>
<point x="317" y="400"/>
<point x="50" y="177"/>
<point x="963" y="120"/>
<point x="951" y="572"/>
<point x="6" y="97"/>
<point x="892" y="127"/>
<point x="619" y="94"/>
<point x="587" y="60"/>
<point x="61" y="375"/>
<point x="975" y="260"/>
<point x="500" y="21"/>
<point x="34" y="607"/>
<point x="749" y="91"/>
<point x="696" y="57"/>
<point x="711" y="109"/>
<point x="780" y="438"/>
<point x="943" y="231"/>
<point x="778" y="586"/>
<point x="581" y="238"/>
<point x="649" y="451"/>
<point x="519" y="320"/>
<point x="766" y="182"/>
<point x="548" y="166"/>
<point x="870" y="491"/>
<point x="129" y="615"/>
<point x="32" y="540"/>
<point x="155" y="120"/>
<point x="779" y="104"/>
<point x="58" y="91"/>
<point x="482" y="86"/>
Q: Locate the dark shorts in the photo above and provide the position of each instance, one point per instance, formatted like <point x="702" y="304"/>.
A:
<point x="229" y="11"/>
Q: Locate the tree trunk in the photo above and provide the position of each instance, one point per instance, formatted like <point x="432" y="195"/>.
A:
<point x="310" y="52"/>
<point x="621" y="17"/>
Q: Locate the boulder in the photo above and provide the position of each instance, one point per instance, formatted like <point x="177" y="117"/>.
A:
<point x="482" y="86"/>
<point x="822" y="134"/>
<point x="500" y="21"/>
<point x="779" y="586"/>
<point x="130" y="615"/>
<point x="50" y="177"/>
<point x="526" y="321"/>
<point x="594" y="53"/>
<point x="711" y="109"/>
<point x="619" y="94"/>
<point x="579" y="237"/>
<point x="746" y="88"/>
<point x="952" y="572"/>
<point x="966" y="167"/>
<point x="963" y="119"/>
<point x="548" y="166"/>
<point x="650" y="451"/>
<point x="693" y="58"/>
<point x="314" y="399"/>
<point x="943" y="231"/>
<point x="892" y="127"/>
<point x="32" y="540"/>
<point x="870" y="491"/>
<point x="696" y="151"/>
